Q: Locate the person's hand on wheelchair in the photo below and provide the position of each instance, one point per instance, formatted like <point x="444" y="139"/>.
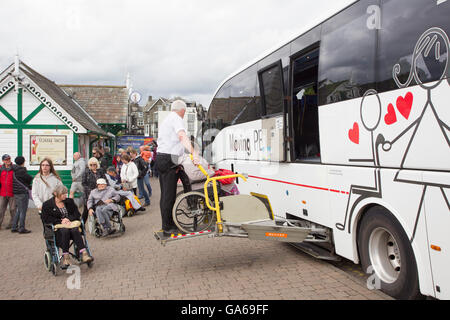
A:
<point x="91" y="212"/>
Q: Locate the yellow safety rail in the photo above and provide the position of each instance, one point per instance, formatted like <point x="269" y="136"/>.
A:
<point x="216" y="194"/>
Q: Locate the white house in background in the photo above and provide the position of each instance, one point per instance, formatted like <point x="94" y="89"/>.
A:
<point x="40" y="120"/>
<point x="157" y="110"/>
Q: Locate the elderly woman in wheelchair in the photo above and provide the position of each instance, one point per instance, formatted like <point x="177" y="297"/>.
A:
<point x="60" y="215"/>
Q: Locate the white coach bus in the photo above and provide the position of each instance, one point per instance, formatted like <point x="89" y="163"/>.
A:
<point x="346" y="128"/>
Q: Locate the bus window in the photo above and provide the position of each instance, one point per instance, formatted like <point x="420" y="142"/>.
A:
<point x="347" y="54"/>
<point x="219" y="111"/>
<point x="243" y="105"/>
<point x="305" y="114"/>
<point x="408" y="20"/>
<point x="272" y="92"/>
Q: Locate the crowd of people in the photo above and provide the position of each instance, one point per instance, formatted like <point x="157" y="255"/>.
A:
<point x="100" y="182"/>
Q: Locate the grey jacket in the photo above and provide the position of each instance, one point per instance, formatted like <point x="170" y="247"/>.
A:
<point x="97" y="195"/>
<point x="78" y="169"/>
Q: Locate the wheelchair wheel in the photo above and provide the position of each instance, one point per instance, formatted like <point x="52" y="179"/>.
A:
<point x="48" y="260"/>
<point x="191" y="214"/>
<point x="98" y="232"/>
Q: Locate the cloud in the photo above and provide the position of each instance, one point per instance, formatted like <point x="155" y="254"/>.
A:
<point x="169" y="47"/>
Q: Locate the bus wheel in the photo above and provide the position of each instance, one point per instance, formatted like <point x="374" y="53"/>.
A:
<point x="386" y="253"/>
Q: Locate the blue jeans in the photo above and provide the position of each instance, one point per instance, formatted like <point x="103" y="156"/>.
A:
<point x="142" y="192"/>
<point x="21" y="211"/>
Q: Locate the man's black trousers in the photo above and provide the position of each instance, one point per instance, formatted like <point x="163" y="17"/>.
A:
<point x="168" y="179"/>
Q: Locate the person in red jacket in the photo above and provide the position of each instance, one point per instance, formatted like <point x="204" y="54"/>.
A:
<point x="6" y="190"/>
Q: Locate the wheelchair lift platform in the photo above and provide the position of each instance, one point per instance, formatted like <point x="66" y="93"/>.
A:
<point x="244" y="216"/>
<point x="269" y="230"/>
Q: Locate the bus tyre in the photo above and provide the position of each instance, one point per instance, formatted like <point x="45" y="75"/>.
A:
<point x="386" y="253"/>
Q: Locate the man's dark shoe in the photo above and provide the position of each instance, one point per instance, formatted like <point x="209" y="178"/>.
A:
<point x="14" y="230"/>
<point x="146" y="205"/>
<point x="24" y="231"/>
<point x="141" y="209"/>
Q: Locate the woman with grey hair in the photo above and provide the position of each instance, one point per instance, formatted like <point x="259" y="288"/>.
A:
<point x="62" y="212"/>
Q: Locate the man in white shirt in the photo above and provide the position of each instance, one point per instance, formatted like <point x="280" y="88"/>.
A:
<point x="172" y="142"/>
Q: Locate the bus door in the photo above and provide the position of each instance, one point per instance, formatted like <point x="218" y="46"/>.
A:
<point x="307" y="171"/>
<point x="305" y="145"/>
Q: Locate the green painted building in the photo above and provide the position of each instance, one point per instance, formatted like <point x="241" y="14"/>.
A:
<point x="38" y="119"/>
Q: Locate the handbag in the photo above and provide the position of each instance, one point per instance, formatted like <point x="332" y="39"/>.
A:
<point x="73" y="224"/>
<point x="127" y="185"/>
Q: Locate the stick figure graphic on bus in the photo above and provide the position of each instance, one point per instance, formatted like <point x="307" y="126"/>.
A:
<point x="430" y="134"/>
<point x="370" y="123"/>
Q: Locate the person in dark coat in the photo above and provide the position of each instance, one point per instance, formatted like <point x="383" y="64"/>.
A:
<point x="143" y="178"/>
<point x="98" y="154"/>
<point x="21" y="190"/>
<point x="89" y="182"/>
<point x="62" y="212"/>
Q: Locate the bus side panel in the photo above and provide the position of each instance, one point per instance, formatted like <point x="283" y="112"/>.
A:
<point x="298" y="189"/>
<point x="438" y="223"/>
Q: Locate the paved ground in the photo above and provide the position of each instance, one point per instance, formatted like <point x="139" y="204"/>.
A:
<point x="136" y="266"/>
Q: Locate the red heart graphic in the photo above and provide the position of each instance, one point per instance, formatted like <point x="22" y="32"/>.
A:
<point x="404" y="105"/>
<point x="391" y="117"/>
<point x="353" y="134"/>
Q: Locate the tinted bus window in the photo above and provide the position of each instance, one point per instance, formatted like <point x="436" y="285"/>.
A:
<point x="306" y="40"/>
<point x="347" y="53"/>
<point x="219" y="111"/>
<point x="281" y="54"/>
<point x="403" y="24"/>
<point x="243" y="106"/>
<point x="271" y="82"/>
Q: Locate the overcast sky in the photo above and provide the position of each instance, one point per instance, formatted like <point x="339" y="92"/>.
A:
<point x="170" y="47"/>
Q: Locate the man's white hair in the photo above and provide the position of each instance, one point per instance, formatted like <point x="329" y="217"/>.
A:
<point x="178" y="105"/>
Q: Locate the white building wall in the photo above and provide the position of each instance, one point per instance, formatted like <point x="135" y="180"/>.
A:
<point x="29" y="103"/>
<point x="8" y="142"/>
<point x="9" y="103"/>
